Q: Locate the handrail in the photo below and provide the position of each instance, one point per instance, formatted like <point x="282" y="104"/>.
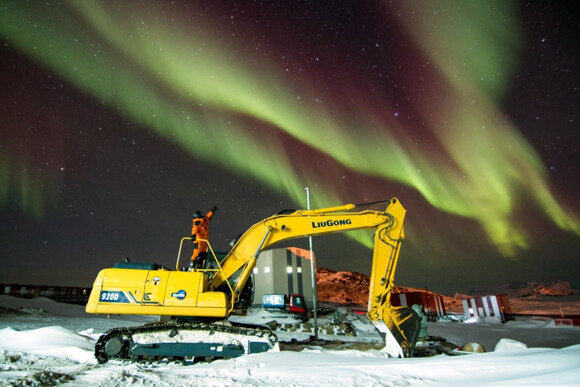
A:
<point x="219" y="269"/>
<point x="179" y="252"/>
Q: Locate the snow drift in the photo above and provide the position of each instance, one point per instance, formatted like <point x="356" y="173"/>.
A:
<point x="57" y="354"/>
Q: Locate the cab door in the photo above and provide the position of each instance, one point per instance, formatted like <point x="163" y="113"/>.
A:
<point x="154" y="290"/>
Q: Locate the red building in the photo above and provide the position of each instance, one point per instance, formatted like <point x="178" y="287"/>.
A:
<point x="487" y="306"/>
<point x="432" y="303"/>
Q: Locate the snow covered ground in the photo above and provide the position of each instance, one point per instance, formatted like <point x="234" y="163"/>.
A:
<point x="47" y="343"/>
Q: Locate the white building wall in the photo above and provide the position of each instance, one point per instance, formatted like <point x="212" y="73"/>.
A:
<point x="495" y="306"/>
<point x="485" y="301"/>
<point x="440" y="306"/>
<point x="403" y="299"/>
<point x="280" y="271"/>
<point x="475" y="311"/>
<point x="466" y="313"/>
<point x="263" y="276"/>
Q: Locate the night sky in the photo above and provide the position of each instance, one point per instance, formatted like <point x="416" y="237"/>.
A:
<point x="120" y="119"/>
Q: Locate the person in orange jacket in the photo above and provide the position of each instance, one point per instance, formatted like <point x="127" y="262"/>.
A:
<point x="200" y="230"/>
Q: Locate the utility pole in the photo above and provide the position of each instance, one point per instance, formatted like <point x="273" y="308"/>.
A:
<point x="313" y="275"/>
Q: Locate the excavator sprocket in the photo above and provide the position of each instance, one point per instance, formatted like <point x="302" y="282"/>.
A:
<point x="184" y="341"/>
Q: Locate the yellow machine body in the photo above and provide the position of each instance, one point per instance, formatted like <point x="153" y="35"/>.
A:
<point x="156" y="292"/>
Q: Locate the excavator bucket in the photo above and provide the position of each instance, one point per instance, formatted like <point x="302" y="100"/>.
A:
<point x="405" y="325"/>
<point x="400" y="327"/>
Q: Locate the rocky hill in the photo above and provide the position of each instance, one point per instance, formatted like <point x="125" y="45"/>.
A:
<point x="346" y="287"/>
<point x="343" y="287"/>
<point x="533" y="289"/>
<point x="542" y="290"/>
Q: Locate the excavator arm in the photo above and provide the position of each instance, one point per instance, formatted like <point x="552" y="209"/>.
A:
<point x="398" y="325"/>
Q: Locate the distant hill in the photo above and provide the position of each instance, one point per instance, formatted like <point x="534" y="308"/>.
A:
<point x="532" y="288"/>
<point x="542" y="290"/>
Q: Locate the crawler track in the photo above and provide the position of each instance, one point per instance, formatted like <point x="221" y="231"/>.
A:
<point x="183" y="341"/>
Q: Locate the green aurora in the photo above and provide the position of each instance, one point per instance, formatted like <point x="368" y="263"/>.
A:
<point x="192" y="83"/>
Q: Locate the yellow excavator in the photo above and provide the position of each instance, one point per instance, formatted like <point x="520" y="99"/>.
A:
<point x="198" y="302"/>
